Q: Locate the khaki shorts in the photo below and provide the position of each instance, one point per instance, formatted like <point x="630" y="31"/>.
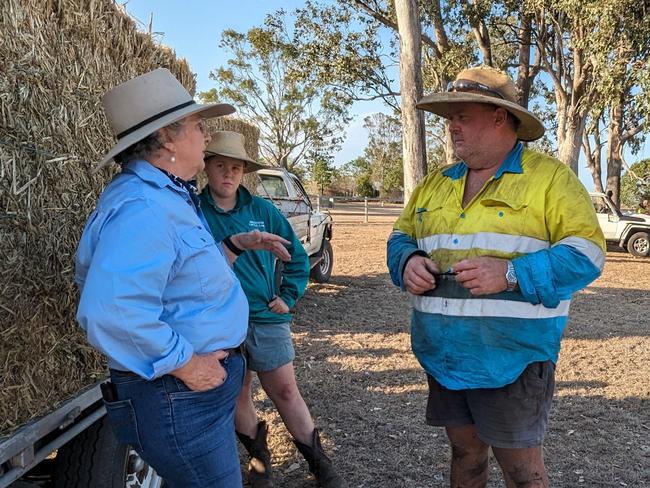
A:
<point x="514" y="416"/>
<point x="269" y="346"/>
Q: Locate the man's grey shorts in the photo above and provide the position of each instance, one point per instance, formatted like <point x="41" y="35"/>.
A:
<point x="513" y="416"/>
<point x="269" y="346"/>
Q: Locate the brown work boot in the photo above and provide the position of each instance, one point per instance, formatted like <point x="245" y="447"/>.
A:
<point x="319" y="464"/>
<point x="259" y="467"/>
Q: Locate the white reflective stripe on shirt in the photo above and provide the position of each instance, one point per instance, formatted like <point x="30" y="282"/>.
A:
<point x="485" y="307"/>
<point x="586" y="247"/>
<point x="490" y="241"/>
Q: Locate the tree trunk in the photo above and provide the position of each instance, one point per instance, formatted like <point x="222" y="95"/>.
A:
<point x="593" y="157"/>
<point x="524" y="76"/>
<point x="614" y="147"/>
<point x="413" y="144"/>
<point x="570" y="128"/>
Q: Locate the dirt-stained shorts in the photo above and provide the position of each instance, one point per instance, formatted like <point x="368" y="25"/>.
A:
<point x="269" y="346"/>
<point x="514" y="416"/>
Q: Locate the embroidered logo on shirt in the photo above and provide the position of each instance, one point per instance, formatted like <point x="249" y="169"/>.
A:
<point x="256" y="224"/>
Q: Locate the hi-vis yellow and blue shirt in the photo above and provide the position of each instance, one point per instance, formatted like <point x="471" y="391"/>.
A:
<point x="535" y="212"/>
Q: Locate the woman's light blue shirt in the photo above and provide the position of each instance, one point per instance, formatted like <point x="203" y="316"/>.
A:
<point x="155" y="287"/>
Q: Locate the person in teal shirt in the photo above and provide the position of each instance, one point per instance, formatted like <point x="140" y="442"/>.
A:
<point x="229" y="209"/>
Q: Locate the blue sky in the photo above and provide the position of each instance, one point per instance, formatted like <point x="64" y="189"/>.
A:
<point x="193" y="29"/>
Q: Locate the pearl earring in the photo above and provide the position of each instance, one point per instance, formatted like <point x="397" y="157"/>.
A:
<point x="173" y="159"/>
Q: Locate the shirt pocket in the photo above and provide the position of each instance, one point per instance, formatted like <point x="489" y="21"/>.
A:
<point x="436" y="220"/>
<point x="505" y="215"/>
<point x="208" y="265"/>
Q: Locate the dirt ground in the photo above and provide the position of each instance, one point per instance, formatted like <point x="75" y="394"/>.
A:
<point x="367" y="392"/>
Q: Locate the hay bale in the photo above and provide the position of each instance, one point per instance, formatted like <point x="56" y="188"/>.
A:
<point x="56" y="60"/>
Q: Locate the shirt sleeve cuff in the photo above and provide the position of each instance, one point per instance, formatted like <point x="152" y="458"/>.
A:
<point x="405" y="259"/>
<point x="288" y="300"/>
<point x="179" y="356"/>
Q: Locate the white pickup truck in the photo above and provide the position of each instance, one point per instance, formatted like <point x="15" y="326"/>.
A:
<point x="313" y="227"/>
<point x="627" y="230"/>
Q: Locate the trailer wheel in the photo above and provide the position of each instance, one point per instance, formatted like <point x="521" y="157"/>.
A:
<point x="96" y="458"/>
<point x="322" y="272"/>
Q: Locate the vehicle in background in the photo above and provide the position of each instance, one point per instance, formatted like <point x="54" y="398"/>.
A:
<point x="627" y="230"/>
<point x="312" y="226"/>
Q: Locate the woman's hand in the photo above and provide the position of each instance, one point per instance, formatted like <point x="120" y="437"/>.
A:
<point x="203" y="372"/>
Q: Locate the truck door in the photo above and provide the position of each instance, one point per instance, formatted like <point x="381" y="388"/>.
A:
<point x="607" y="218"/>
<point x="293" y="208"/>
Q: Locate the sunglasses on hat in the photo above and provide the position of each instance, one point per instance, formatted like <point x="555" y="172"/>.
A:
<point x="471" y="86"/>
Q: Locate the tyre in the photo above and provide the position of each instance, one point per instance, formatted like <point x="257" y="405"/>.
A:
<point x="95" y="458"/>
<point x="639" y="244"/>
<point x="322" y="272"/>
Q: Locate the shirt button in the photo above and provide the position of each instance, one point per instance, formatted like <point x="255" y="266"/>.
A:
<point x="455" y="241"/>
<point x="500" y="214"/>
<point x="462" y="215"/>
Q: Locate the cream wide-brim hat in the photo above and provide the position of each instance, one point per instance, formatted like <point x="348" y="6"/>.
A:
<point x="530" y="128"/>
<point x="231" y="145"/>
<point x="139" y="107"/>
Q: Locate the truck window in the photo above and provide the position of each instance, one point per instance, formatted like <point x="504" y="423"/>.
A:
<point x="272" y="186"/>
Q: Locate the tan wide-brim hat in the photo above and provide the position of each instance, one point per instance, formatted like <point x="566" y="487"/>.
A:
<point x="488" y="83"/>
<point x="139" y="107"/>
<point x="231" y="145"/>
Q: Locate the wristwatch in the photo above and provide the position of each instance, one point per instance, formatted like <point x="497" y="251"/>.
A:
<point x="511" y="277"/>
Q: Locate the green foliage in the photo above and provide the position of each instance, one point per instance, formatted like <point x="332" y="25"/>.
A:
<point x="264" y="78"/>
<point x="342" y="47"/>
<point x="364" y="186"/>
<point x="384" y="151"/>
<point x="321" y="171"/>
<point x="635" y="184"/>
<point x="361" y="170"/>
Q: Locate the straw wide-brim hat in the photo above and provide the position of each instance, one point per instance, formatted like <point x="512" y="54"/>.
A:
<point x="139" y="107"/>
<point x="231" y="145"/>
<point x="489" y="82"/>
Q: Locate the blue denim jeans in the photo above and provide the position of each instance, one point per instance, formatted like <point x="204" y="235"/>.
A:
<point x="188" y="437"/>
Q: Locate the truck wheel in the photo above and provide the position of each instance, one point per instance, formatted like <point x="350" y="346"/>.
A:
<point x="639" y="244"/>
<point x="323" y="270"/>
<point x="96" y="458"/>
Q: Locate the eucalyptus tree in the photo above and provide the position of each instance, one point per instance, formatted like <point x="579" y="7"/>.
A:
<point x="617" y="102"/>
<point x="410" y="67"/>
<point x="266" y="80"/>
<point x="384" y="151"/>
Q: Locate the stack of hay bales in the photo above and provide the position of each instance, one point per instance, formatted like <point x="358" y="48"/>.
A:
<point x="56" y="60"/>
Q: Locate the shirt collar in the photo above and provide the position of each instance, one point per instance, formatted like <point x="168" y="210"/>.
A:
<point x="512" y="164"/>
<point x="162" y="178"/>
<point x="148" y="172"/>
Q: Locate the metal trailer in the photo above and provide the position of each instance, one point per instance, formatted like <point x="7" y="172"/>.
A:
<point x="72" y="447"/>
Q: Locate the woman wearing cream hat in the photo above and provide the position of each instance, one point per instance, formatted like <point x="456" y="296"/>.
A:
<point x="158" y="295"/>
